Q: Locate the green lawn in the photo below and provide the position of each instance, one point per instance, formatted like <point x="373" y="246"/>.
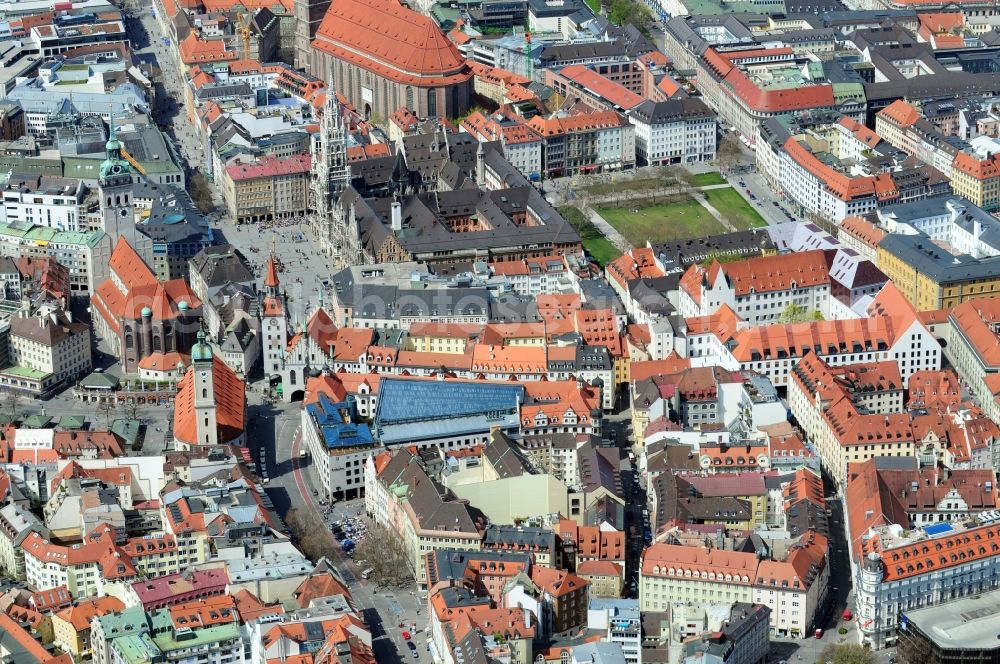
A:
<point x="735" y="208"/>
<point x="707" y="179"/>
<point x="595" y="244"/>
<point x="681" y="219"/>
<point x="595" y="6"/>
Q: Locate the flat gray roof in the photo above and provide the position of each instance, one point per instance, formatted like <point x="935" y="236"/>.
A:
<point x="972" y="622"/>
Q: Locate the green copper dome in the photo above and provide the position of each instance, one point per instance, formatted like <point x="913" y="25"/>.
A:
<point x="201" y="351"/>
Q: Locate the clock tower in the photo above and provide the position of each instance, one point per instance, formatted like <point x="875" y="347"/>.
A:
<point x="274" y="324"/>
<point x="202" y="360"/>
<point x="114" y="184"/>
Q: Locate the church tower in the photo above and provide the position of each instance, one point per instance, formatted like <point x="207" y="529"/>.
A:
<point x="308" y="16"/>
<point x="330" y="174"/>
<point x="275" y="325"/>
<point x="202" y="360"/>
<point x="114" y="185"/>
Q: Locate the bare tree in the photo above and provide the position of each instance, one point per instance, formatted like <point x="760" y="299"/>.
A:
<point x="729" y="151"/>
<point x="385" y="554"/>
<point x="107" y="408"/>
<point x="12" y="404"/>
<point x="314" y="540"/>
<point x="130" y="409"/>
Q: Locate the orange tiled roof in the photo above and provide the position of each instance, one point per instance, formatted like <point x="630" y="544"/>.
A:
<point x="603" y="87"/>
<point x="841" y="185"/>
<point x="600" y="568"/>
<point x="860" y="132"/>
<point x="487" y="358"/>
<point x="194" y="50"/>
<point x="320" y="585"/>
<point x="32" y="647"/>
<point x="767" y="341"/>
<point x="141" y="290"/>
<point x="230" y="404"/>
<point x="735" y="567"/>
<point x="764" y="274"/>
<point x="980" y="169"/>
<point x="977" y="321"/>
<point x="803" y="565"/>
<point x="934" y="390"/>
<point x="207" y="612"/>
<point x="557" y="582"/>
<point x="639" y="263"/>
<point x="862" y="229"/>
<point x="79" y="616"/>
<point x="160" y="361"/>
<point x="901" y="113"/>
<point x="592" y="541"/>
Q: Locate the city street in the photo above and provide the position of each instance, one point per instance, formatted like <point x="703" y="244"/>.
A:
<point x="293" y="484"/>
<point x="272" y="426"/>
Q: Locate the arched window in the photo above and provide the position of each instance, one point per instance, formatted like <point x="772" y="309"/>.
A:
<point x="156" y="342"/>
<point x="204" y="393"/>
<point x="129" y="341"/>
<point x="291" y="377"/>
<point x="409" y="97"/>
<point x="432" y="103"/>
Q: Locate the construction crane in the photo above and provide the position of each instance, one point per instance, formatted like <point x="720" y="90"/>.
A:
<point x="244" y="32"/>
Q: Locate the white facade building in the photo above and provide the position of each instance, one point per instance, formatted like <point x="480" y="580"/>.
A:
<point x="48" y="201"/>
<point x="674" y="131"/>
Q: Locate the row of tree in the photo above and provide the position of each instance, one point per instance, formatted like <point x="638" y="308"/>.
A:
<point x="382" y="551"/>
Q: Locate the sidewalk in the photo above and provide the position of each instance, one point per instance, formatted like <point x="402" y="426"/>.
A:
<point x="607" y="229"/>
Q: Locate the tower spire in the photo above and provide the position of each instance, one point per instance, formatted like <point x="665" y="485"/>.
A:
<point x="271" y="279"/>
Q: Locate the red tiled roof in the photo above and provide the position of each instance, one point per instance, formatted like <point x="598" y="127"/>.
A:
<point x="141" y="290"/>
<point x="51" y="599"/>
<point x="605" y="88"/>
<point x="668" y="86"/>
<point x="767" y="101"/>
<point x="392" y="41"/>
<point x="792" y="338"/>
<point x="160" y="361"/>
<point x="764" y="273"/>
<point x="271" y="280"/>
<point x="860" y="132"/>
<point x="269" y="167"/>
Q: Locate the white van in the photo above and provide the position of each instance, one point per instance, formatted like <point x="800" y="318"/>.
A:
<point x="365" y="574"/>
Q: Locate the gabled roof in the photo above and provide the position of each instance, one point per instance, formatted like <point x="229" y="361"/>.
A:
<point x="230" y="404"/>
<point x="901" y="113"/>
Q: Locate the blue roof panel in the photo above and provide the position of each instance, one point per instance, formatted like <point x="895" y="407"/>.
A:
<point x="403" y="400"/>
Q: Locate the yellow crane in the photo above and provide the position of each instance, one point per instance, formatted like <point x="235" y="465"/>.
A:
<point x="244" y="32"/>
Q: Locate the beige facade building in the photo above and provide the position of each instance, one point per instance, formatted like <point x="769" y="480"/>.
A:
<point x="270" y="188"/>
<point x="50" y="343"/>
